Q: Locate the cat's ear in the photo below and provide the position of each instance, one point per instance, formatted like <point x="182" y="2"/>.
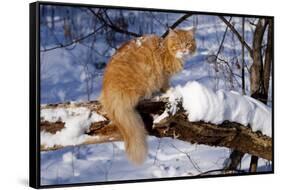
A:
<point x="191" y="30"/>
<point x="172" y="32"/>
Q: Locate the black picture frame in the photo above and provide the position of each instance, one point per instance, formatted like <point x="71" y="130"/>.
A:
<point x="34" y="95"/>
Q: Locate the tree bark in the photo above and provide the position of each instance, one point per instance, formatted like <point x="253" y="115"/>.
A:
<point x="234" y="160"/>
<point x="253" y="164"/>
<point x="256" y="70"/>
<point x="227" y="134"/>
<point x="243" y="57"/>
<point x="268" y="57"/>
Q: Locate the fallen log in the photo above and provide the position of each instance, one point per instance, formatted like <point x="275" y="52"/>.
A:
<point x="228" y="134"/>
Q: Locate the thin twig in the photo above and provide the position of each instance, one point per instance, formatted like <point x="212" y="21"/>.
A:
<point x="111" y="24"/>
<point x="220" y="170"/>
<point x="161" y="23"/>
<point x="230" y="69"/>
<point x="74" y="41"/>
<point x="158" y="147"/>
<point x="223" y="38"/>
<point x="194" y="164"/>
<point x="237" y="34"/>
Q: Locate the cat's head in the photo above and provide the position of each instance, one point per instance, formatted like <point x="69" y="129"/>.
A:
<point x="181" y="43"/>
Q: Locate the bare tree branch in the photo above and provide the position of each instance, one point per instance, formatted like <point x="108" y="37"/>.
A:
<point x="74" y="41"/>
<point x="223" y="38"/>
<point x="112" y="25"/>
<point x="180" y="20"/>
<point x="237" y="34"/>
<point x="221" y="171"/>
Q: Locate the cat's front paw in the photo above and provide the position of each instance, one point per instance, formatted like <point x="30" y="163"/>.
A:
<point x="164" y="88"/>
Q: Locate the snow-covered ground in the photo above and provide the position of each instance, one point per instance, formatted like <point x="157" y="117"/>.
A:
<point x="74" y="74"/>
<point x="107" y="162"/>
<point x="166" y="158"/>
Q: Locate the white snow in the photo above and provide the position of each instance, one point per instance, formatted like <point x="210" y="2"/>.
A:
<point x="107" y="162"/>
<point x="182" y="55"/>
<point x="64" y="78"/>
<point x="139" y="41"/>
<point x="68" y="157"/>
<point x="77" y="122"/>
<point x="188" y="28"/>
<point x="179" y="55"/>
<point x="161" y="117"/>
<point x="61" y="95"/>
<point x="204" y="104"/>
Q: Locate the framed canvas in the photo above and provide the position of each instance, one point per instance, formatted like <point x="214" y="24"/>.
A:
<point x="121" y="94"/>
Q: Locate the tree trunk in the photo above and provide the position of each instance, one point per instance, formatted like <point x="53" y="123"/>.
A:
<point x="243" y="57"/>
<point x="259" y="76"/>
<point x="268" y="57"/>
<point x="234" y="160"/>
<point x="256" y="70"/>
<point x="254" y="164"/>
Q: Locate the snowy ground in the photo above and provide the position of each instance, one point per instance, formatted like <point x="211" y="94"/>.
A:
<point x="107" y="162"/>
<point x="167" y="157"/>
<point x="65" y="77"/>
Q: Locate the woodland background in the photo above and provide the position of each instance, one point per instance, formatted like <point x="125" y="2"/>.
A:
<point x="233" y="53"/>
<point x="18" y="178"/>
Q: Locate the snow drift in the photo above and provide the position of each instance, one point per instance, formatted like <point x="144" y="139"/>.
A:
<point x="203" y="104"/>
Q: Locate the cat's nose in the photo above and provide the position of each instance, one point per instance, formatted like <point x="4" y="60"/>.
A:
<point x="186" y="51"/>
<point x="193" y="48"/>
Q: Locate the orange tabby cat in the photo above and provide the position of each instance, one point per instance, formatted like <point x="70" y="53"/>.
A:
<point x="139" y="68"/>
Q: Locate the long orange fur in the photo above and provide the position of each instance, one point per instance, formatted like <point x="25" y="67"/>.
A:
<point x="139" y="68"/>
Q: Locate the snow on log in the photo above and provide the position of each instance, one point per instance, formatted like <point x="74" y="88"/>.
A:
<point x="217" y="120"/>
<point x="203" y="104"/>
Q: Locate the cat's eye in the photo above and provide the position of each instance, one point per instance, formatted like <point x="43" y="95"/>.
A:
<point x="187" y="44"/>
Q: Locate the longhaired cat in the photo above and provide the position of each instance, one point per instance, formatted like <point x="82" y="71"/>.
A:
<point x="139" y="68"/>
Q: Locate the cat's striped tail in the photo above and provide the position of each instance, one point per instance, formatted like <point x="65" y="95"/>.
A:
<point x="131" y="126"/>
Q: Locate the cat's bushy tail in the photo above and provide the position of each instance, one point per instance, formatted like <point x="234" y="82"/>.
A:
<point x="122" y="113"/>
